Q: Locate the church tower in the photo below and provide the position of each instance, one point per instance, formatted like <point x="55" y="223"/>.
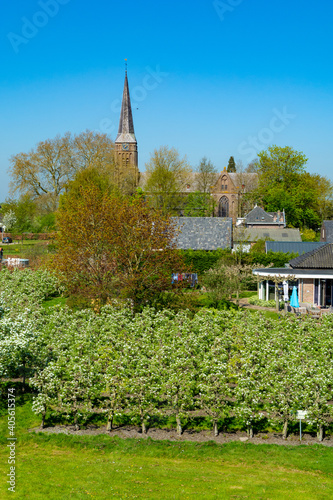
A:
<point x="126" y="147"/>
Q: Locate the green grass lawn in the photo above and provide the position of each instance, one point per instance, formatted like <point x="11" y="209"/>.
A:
<point x="268" y="314"/>
<point x="61" y="467"/>
<point x="54" y="301"/>
<point x="247" y="294"/>
<point x="101" y="467"/>
<point x="11" y="247"/>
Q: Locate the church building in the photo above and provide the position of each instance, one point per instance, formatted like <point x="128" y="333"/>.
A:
<point x="228" y="192"/>
<point x="126" y="146"/>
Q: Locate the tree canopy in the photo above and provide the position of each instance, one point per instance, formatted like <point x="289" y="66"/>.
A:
<point x="43" y="172"/>
<point x="113" y="247"/>
<point x="285" y="184"/>
<point x="167" y="177"/>
<point x="199" y="204"/>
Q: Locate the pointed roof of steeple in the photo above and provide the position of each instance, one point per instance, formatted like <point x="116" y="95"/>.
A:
<point x="126" y="127"/>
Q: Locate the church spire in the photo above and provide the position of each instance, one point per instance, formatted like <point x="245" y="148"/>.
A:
<point x="126" y="127"/>
<point x="126" y="147"/>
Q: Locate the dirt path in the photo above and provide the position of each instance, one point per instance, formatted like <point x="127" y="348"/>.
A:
<point x="188" y="435"/>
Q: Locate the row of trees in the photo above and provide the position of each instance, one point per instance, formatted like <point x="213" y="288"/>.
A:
<point x="282" y="182"/>
<point x="220" y="364"/>
<point x="230" y="365"/>
<point x="42" y="175"/>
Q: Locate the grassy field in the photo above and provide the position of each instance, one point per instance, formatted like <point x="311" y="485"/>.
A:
<point x="61" y="467"/>
<point x="28" y="249"/>
<point x="80" y="467"/>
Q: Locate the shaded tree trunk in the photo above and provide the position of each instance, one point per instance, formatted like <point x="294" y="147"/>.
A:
<point x="76" y="424"/>
<point x="249" y="431"/>
<point x="179" y="424"/>
<point x="42" y="425"/>
<point x="320" y="432"/>
<point x="23" y="377"/>
<point x="143" y="425"/>
<point x="110" y="421"/>
<point x="285" y="429"/>
<point x="215" y="428"/>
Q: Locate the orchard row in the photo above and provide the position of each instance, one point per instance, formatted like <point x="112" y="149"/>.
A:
<point x="220" y="363"/>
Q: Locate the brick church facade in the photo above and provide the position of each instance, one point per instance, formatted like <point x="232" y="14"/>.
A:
<point x="228" y="192"/>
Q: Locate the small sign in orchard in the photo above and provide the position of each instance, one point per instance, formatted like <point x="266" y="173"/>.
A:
<point x="301" y="414"/>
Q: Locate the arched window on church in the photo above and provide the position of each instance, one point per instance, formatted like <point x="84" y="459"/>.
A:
<point x="224" y="207"/>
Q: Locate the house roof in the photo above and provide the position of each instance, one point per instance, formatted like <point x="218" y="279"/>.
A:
<point x="328" y="226"/>
<point x="259" y="216"/>
<point x="320" y="258"/>
<point x="299" y="247"/>
<point x="203" y="233"/>
<point x="250" y="234"/>
<point x="298" y="273"/>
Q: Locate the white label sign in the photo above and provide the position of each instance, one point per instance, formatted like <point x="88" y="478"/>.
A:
<point x="301" y="414"/>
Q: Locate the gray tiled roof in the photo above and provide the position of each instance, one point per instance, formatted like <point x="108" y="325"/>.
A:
<point x="328" y="226"/>
<point x="299" y="247"/>
<point x="320" y="258"/>
<point x="258" y="214"/>
<point x="260" y="233"/>
<point x="204" y="233"/>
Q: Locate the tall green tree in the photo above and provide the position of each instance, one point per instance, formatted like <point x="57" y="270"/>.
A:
<point x="285" y="184"/>
<point x="167" y="177"/>
<point x="199" y="205"/>
<point x="231" y="165"/>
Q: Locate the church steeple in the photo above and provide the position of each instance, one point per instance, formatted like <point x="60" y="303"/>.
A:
<point x="126" y="149"/>
<point x="126" y="126"/>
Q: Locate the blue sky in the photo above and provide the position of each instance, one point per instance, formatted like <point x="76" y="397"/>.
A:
<point x="210" y="78"/>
